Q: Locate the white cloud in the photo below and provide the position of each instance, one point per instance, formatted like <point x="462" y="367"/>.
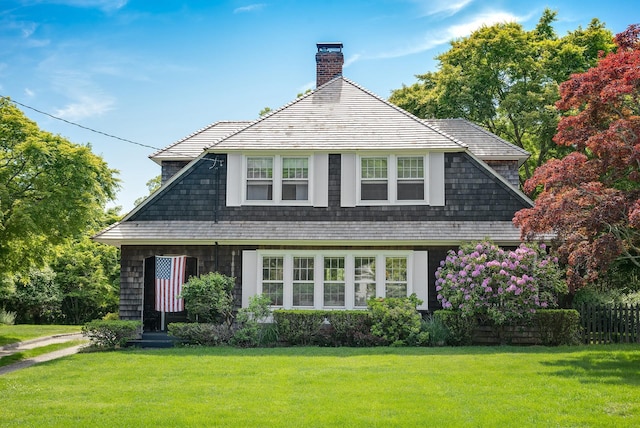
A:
<point x="29" y="93"/>
<point x="86" y="106"/>
<point x="351" y="60"/>
<point x="441" y="7"/>
<point x="489" y="18"/>
<point x="250" y="8"/>
<point x="455" y="31"/>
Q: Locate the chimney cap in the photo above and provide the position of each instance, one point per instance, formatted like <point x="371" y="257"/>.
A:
<point x="329" y="47"/>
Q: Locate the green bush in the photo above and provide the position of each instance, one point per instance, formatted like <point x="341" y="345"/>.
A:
<point x="397" y="321"/>
<point x="208" y="298"/>
<point x="558" y="326"/>
<point x="460" y="328"/>
<point x="111" y="316"/>
<point x="204" y="334"/>
<point x="299" y="327"/>
<point x="253" y="331"/>
<point x="349" y="328"/>
<point x="110" y="334"/>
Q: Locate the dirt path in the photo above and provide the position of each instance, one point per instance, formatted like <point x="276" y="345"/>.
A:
<point x="36" y="343"/>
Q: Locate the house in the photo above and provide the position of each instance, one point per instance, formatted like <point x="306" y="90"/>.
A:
<point x="334" y="198"/>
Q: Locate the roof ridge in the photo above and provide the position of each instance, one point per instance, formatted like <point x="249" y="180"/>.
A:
<point x="199" y="131"/>
<point x="406" y="113"/>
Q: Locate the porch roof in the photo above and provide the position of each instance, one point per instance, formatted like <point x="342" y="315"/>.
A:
<point x="308" y="233"/>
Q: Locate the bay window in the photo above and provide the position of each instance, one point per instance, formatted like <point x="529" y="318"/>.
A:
<point x="333" y="279"/>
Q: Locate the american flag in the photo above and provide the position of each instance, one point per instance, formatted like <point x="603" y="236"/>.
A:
<point x="170" y="275"/>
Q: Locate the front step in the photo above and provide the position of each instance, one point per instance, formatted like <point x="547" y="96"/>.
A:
<point x="159" y="339"/>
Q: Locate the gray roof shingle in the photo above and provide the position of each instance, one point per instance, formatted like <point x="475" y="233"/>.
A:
<point x="308" y="232"/>
<point x="482" y="143"/>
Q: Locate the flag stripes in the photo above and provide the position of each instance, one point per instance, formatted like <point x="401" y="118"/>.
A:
<point x="170" y="275"/>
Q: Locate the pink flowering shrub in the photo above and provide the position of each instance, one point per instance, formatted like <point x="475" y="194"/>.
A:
<point x="481" y="279"/>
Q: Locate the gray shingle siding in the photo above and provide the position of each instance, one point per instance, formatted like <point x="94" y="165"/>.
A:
<point x="471" y="193"/>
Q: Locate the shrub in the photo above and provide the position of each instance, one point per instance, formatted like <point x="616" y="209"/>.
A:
<point x="111" y="316"/>
<point x="438" y="332"/>
<point x="205" y="334"/>
<point x="208" y="299"/>
<point x="397" y="322"/>
<point x="350" y="328"/>
<point x="504" y="287"/>
<point x="253" y="331"/>
<point x="459" y="327"/>
<point x="299" y="327"/>
<point x="558" y="326"/>
<point x="7" y="317"/>
<point x="110" y="334"/>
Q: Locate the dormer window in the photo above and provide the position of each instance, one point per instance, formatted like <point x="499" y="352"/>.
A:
<point x="392" y="179"/>
<point x="373" y="179"/>
<point x="295" y="179"/>
<point x="260" y="178"/>
<point x="410" y="174"/>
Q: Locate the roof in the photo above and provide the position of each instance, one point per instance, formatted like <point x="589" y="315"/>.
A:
<point x="308" y="232"/>
<point x="342" y="116"/>
<point x="190" y="147"/>
<point x="482" y="143"/>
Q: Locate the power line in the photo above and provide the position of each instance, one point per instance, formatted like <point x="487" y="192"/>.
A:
<point x="95" y="130"/>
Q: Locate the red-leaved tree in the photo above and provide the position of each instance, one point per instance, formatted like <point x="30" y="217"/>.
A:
<point x="590" y="199"/>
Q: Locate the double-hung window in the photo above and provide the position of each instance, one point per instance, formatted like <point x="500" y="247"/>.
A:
<point x="410" y="175"/>
<point x="374" y="179"/>
<point x="364" y="280"/>
<point x="303" y="281"/>
<point x="396" y="277"/>
<point x="278" y="179"/>
<point x="334" y="281"/>
<point x="392" y="179"/>
<point x="260" y="178"/>
<point x="295" y="179"/>
<point x="273" y="279"/>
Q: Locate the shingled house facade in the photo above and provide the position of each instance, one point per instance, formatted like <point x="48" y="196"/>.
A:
<point x="332" y="199"/>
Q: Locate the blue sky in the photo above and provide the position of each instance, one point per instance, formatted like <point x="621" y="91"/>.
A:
<point x="155" y="71"/>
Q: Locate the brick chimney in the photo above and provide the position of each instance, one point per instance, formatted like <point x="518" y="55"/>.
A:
<point x="329" y="60"/>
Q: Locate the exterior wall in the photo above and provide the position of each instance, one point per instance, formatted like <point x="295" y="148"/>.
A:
<point x="171" y="168"/>
<point x="471" y="194"/>
<point x="507" y="169"/>
<point x="229" y="262"/>
<point x="132" y="270"/>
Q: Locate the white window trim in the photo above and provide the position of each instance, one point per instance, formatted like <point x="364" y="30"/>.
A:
<point x="277" y="180"/>
<point x="392" y="180"/>
<point x="319" y="255"/>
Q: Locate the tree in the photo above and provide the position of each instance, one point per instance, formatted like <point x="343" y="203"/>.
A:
<point x="153" y="184"/>
<point x="50" y="190"/>
<point x="506" y="79"/>
<point x="590" y="199"/>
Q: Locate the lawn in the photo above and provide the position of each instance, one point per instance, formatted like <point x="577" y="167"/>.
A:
<point x="22" y="332"/>
<point x="287" y="387"/>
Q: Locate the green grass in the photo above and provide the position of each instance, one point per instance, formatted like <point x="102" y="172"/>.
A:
<point x="22" y="332"/>
<point x="296" y="387"/>
<point x="30" y="353"/>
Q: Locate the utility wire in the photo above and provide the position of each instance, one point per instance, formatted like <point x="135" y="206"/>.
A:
<point x="96" y="131"/>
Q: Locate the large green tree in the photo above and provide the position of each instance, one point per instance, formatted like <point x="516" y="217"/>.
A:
<point x="506" y="79"/>
<point x="50" y="190"/>
<point x="591" y="198"/>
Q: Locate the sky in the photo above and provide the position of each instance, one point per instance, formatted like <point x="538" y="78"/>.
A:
<point x="152" y="72"/>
